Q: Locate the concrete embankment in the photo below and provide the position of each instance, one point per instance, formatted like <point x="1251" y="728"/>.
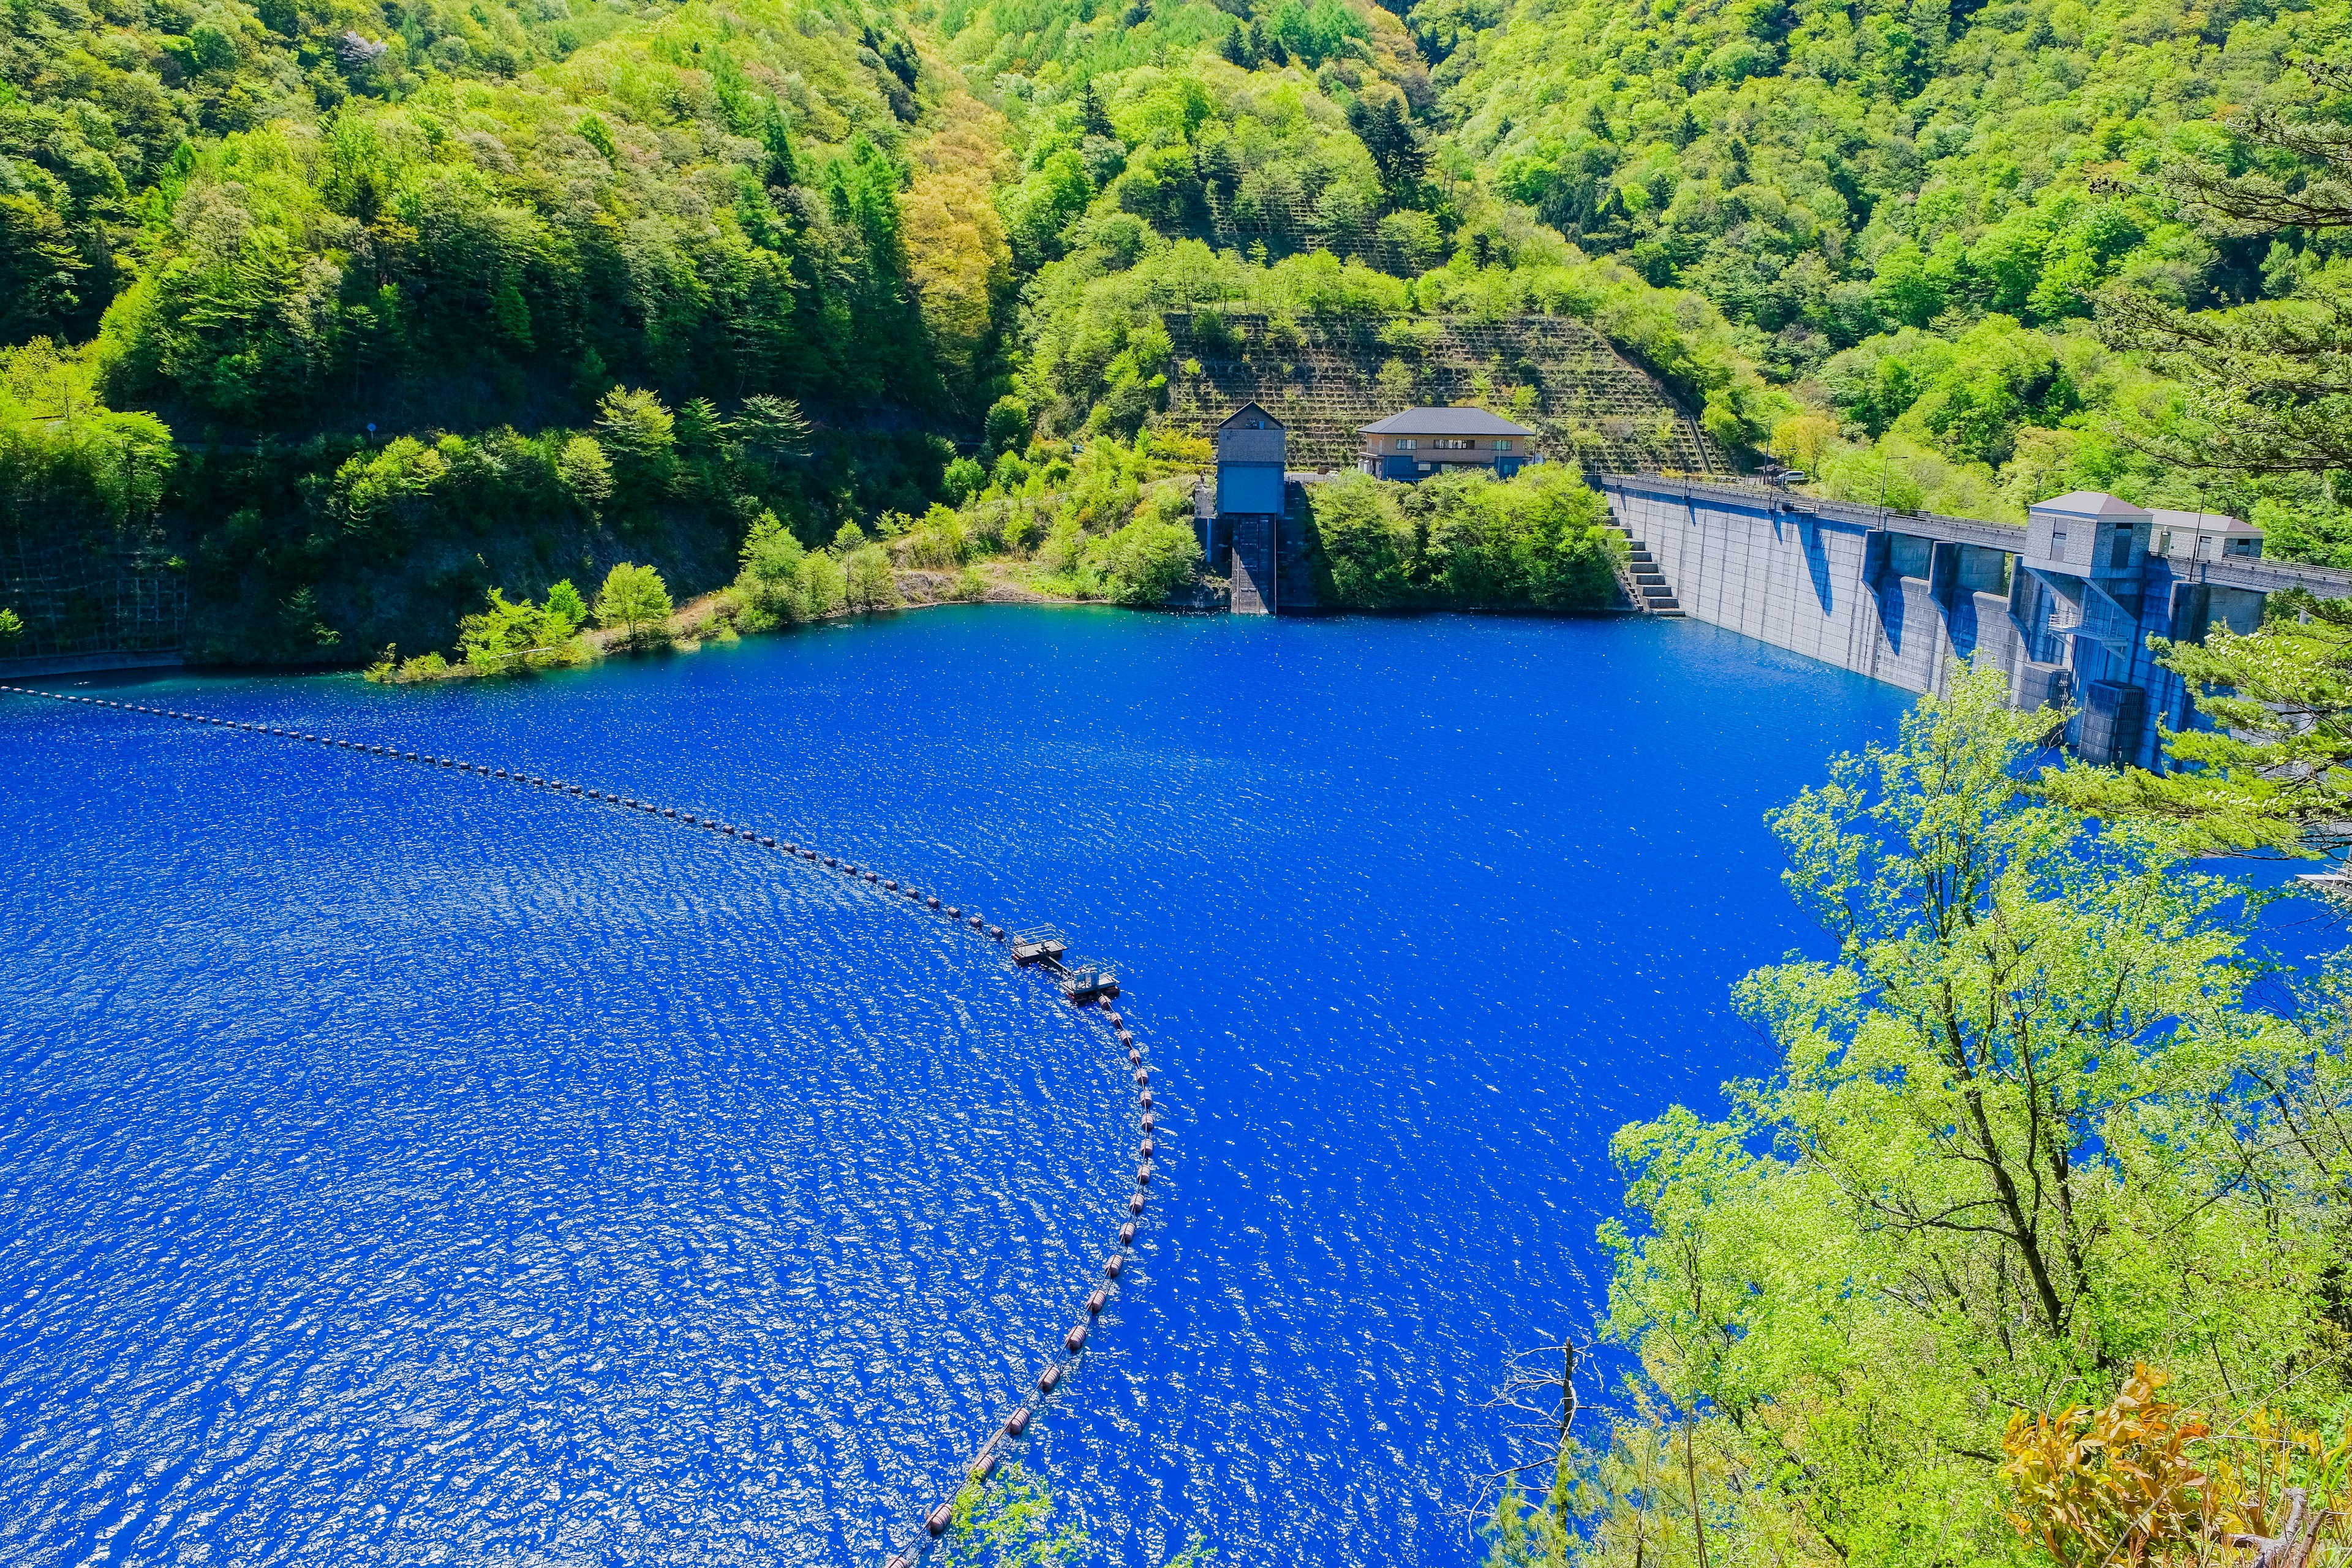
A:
<point x="1899" y="597"/>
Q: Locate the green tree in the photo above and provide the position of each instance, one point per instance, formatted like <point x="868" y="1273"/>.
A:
<point x="867" y="583"/>
<point x="780" y="581"/>
<point x="566" y="612"/>
<point x="964" y="479"/>
<point x="2271" y="384"/>
<point x="585" y="473"/>
<point x="642" y="435"/>
<point x="772" y="429"/>
<point x="501" y="633"/>
<point x="632" y="600"/>
<point x="12" y="626"/>
<point x="2024" y="1125"/>
<point x="1366" y="540"/>
<point x="1149" y="559"/>
<point x="2267" y="769"/>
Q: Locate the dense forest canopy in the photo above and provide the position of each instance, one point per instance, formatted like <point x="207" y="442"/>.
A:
<point x="391" y="321"/>
<point x="417" y="301"/>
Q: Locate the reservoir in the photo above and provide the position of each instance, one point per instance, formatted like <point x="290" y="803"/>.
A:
<point x="400" y="1167"/>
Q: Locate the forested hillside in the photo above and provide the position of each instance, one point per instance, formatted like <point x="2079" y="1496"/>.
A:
<point x="1913" y="210"/>
<point x="358" y="310"/>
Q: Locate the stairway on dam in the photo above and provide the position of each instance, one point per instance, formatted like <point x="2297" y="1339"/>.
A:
<point x="2065" y="608"/>
<point x="1643" y="580"/>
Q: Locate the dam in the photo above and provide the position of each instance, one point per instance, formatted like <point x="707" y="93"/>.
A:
<point x="2063" y="606"/>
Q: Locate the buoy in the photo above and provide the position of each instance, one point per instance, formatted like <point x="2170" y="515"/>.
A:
<point x="870" y="875"/>
<point x="829" y="860"/>
<point x="1096" y="1301"/>
<point x="954" y="914"/>
<point x="1150" y="1148"/>
<point x="931" y="903"/>
<point x="1125" y="1037"/>
<point x="669" y="811"/>
<point x="973" y="923"/>
<point x="897" y="1562"/>
<point x="1134" y="1057"/>
<point x="1127" y="1233"/>
<point x="767" y="844"/>
<point x="1147" y="1122"/>
<point x="940" y="1518"/>
<point x="1017" y="1422"/>
<point x="1145" y="1099"/>
<point x="996" y="932"/>
<point x="1075" y="1339"/>
<point x="985" y="1467"/>
<point x="1144" y="1174"/>
<point x="1135" y="1204"/>
<point x="1113" y="1263"/>
<point x="892" y="885"/>
<point x="1143" y="1075"/>
<point x="1048" y="1379"/>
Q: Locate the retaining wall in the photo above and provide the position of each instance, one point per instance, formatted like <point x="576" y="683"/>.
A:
<point x="1903" y="597"/>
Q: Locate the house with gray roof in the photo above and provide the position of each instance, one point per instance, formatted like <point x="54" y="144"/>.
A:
<point x="1418" y="442"/>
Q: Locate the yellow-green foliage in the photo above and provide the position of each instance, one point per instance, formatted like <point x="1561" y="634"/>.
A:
<point x="67" y="463"/>
<point x="1467" y="541"/>
<point x="2023" y="1120"/>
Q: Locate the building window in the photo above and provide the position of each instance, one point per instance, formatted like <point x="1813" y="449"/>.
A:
<point x="2057" y="544"/>
<point x="1502" y="446"/>
<point x="1452" y="446"/>
<point x="1405" y="446"/>
<point x="2119" y="554"/>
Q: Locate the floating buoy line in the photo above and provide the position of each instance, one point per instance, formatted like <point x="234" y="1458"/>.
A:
<point x="1081" y="982"/>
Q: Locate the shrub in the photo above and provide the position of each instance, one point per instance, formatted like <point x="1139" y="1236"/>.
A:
<point x="964" y="479"/>
<point x="938" y="541"/>
<point x="1148" y="560"/>
<point x="1365" y="542"/>
<point x="866" y="582"/>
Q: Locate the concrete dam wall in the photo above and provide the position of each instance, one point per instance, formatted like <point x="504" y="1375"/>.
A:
<point x="1900" y="596"/>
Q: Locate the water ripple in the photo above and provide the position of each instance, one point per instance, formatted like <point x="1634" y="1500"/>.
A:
<point x="407" y="1168"/>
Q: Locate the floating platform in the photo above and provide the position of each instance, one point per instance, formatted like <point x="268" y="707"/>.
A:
<point x="1038" y="942"/>
<point x="1082" y="980"/>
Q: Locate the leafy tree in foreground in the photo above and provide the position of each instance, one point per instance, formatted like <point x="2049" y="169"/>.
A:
<point x="2027" y="1131"/>
<point x="634" y="598"/>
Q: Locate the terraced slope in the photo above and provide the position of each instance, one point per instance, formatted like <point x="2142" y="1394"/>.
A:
<point x="1557" y="376"/>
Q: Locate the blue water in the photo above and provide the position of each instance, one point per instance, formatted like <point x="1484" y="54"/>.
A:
<point x="407" y="1168"/>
